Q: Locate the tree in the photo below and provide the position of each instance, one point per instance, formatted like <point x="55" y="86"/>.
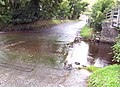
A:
<point x="49" y="8"/>
<point x="77" y="6"/>
<point x="97" y="15"/>
<point x="25" y="11"/>
<point x="64" y="9"/>
<point x="5" y="16"/>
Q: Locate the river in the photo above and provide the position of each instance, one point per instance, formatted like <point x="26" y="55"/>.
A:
<point x="36" y="58"/>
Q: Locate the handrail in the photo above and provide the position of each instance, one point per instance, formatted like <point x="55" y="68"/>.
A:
<point x="113" y="16"/>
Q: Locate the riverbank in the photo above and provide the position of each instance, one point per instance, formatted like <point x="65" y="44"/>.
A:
<point x="41" y="24"/>
<point x="105" y="77"/>
<point x="102" y="77"/>
<point x="89" y="34"/>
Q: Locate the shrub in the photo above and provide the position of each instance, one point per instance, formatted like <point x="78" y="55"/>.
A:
<point x="116" y="50"/>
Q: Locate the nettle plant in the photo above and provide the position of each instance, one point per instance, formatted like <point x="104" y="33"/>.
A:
<point x="116" y="50"/>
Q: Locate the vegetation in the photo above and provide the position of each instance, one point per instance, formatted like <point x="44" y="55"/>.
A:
<point x="106" y="77"/>
<point x="116" y="50"/>
<point x="92" y="68"/>
<point x="87" y="32"/>
<point x="98" y="10"/>
<point x="26" y="11"/>
<point x="40" y="24"/>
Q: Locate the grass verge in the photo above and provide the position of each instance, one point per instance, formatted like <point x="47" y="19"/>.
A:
<point x="106" y="77"/>
<point x="92" y="68"/>
<point x="86" y="32"/>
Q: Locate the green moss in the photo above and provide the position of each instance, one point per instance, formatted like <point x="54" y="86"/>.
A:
<point x="106" y="77"/>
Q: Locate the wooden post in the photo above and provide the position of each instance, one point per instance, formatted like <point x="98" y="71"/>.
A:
<point x="114" y="18"/>
<point x="111" y="17"/>
<point x="118" y="18"/>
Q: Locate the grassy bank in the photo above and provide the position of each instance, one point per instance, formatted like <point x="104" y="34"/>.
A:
<point x="35" y="25"/>
<point x="92" y="68"/>
<point x="87" y="32"/>
<point x="106" y="77"/>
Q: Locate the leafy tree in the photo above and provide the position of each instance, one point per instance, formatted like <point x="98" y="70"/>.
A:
<point x="97" y="15"/>
<point x="5" y="16"/>
<point x="64" y="9"/>
<point x="77" y="6"/>
<point x="25" y="11"/>
<point x="49" y="8"/>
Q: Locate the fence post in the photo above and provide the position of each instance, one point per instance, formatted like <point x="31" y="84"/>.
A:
<point x="118" y="18"/>
<point x="112" y="16"/>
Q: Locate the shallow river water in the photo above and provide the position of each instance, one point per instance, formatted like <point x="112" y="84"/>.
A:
<point x="36" y="58"/>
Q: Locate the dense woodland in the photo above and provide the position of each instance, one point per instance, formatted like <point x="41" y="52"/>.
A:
<point x="25" y="11"/>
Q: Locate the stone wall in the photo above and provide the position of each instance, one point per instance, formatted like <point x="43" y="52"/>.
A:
<point x="108" y="33"/>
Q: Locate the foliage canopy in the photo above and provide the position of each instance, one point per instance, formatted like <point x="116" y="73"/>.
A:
<point x="98" y="10"/>
<point x="24" y="11"/>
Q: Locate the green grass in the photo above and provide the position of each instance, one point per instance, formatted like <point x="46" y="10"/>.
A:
<point x="106" y="77"/>
<point x="92" y="68"/>
<point x="86" y="32"/>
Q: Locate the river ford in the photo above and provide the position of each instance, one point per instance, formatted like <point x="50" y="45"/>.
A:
<point x="36" y="58"/>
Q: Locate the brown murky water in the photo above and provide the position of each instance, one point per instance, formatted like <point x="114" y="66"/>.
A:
<point x="101" y="54"/>
<point x="36" y="58"/>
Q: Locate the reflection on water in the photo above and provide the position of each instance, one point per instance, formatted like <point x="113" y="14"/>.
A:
<point x="23" y="48"/>
<point x="77" y="54"/>
<point x="39" y="57"/>
<point x="89" y="53"/>
<point x="101" y="54"/>
<point x="43" y="54"/>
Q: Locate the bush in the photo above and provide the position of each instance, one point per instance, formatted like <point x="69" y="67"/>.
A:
<point x="106" y="77"/>
<point x="5" y="18"/>
<point x="96" y="22"/>
<point x="98" y="15"/>
<point x="116" y="50"/>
